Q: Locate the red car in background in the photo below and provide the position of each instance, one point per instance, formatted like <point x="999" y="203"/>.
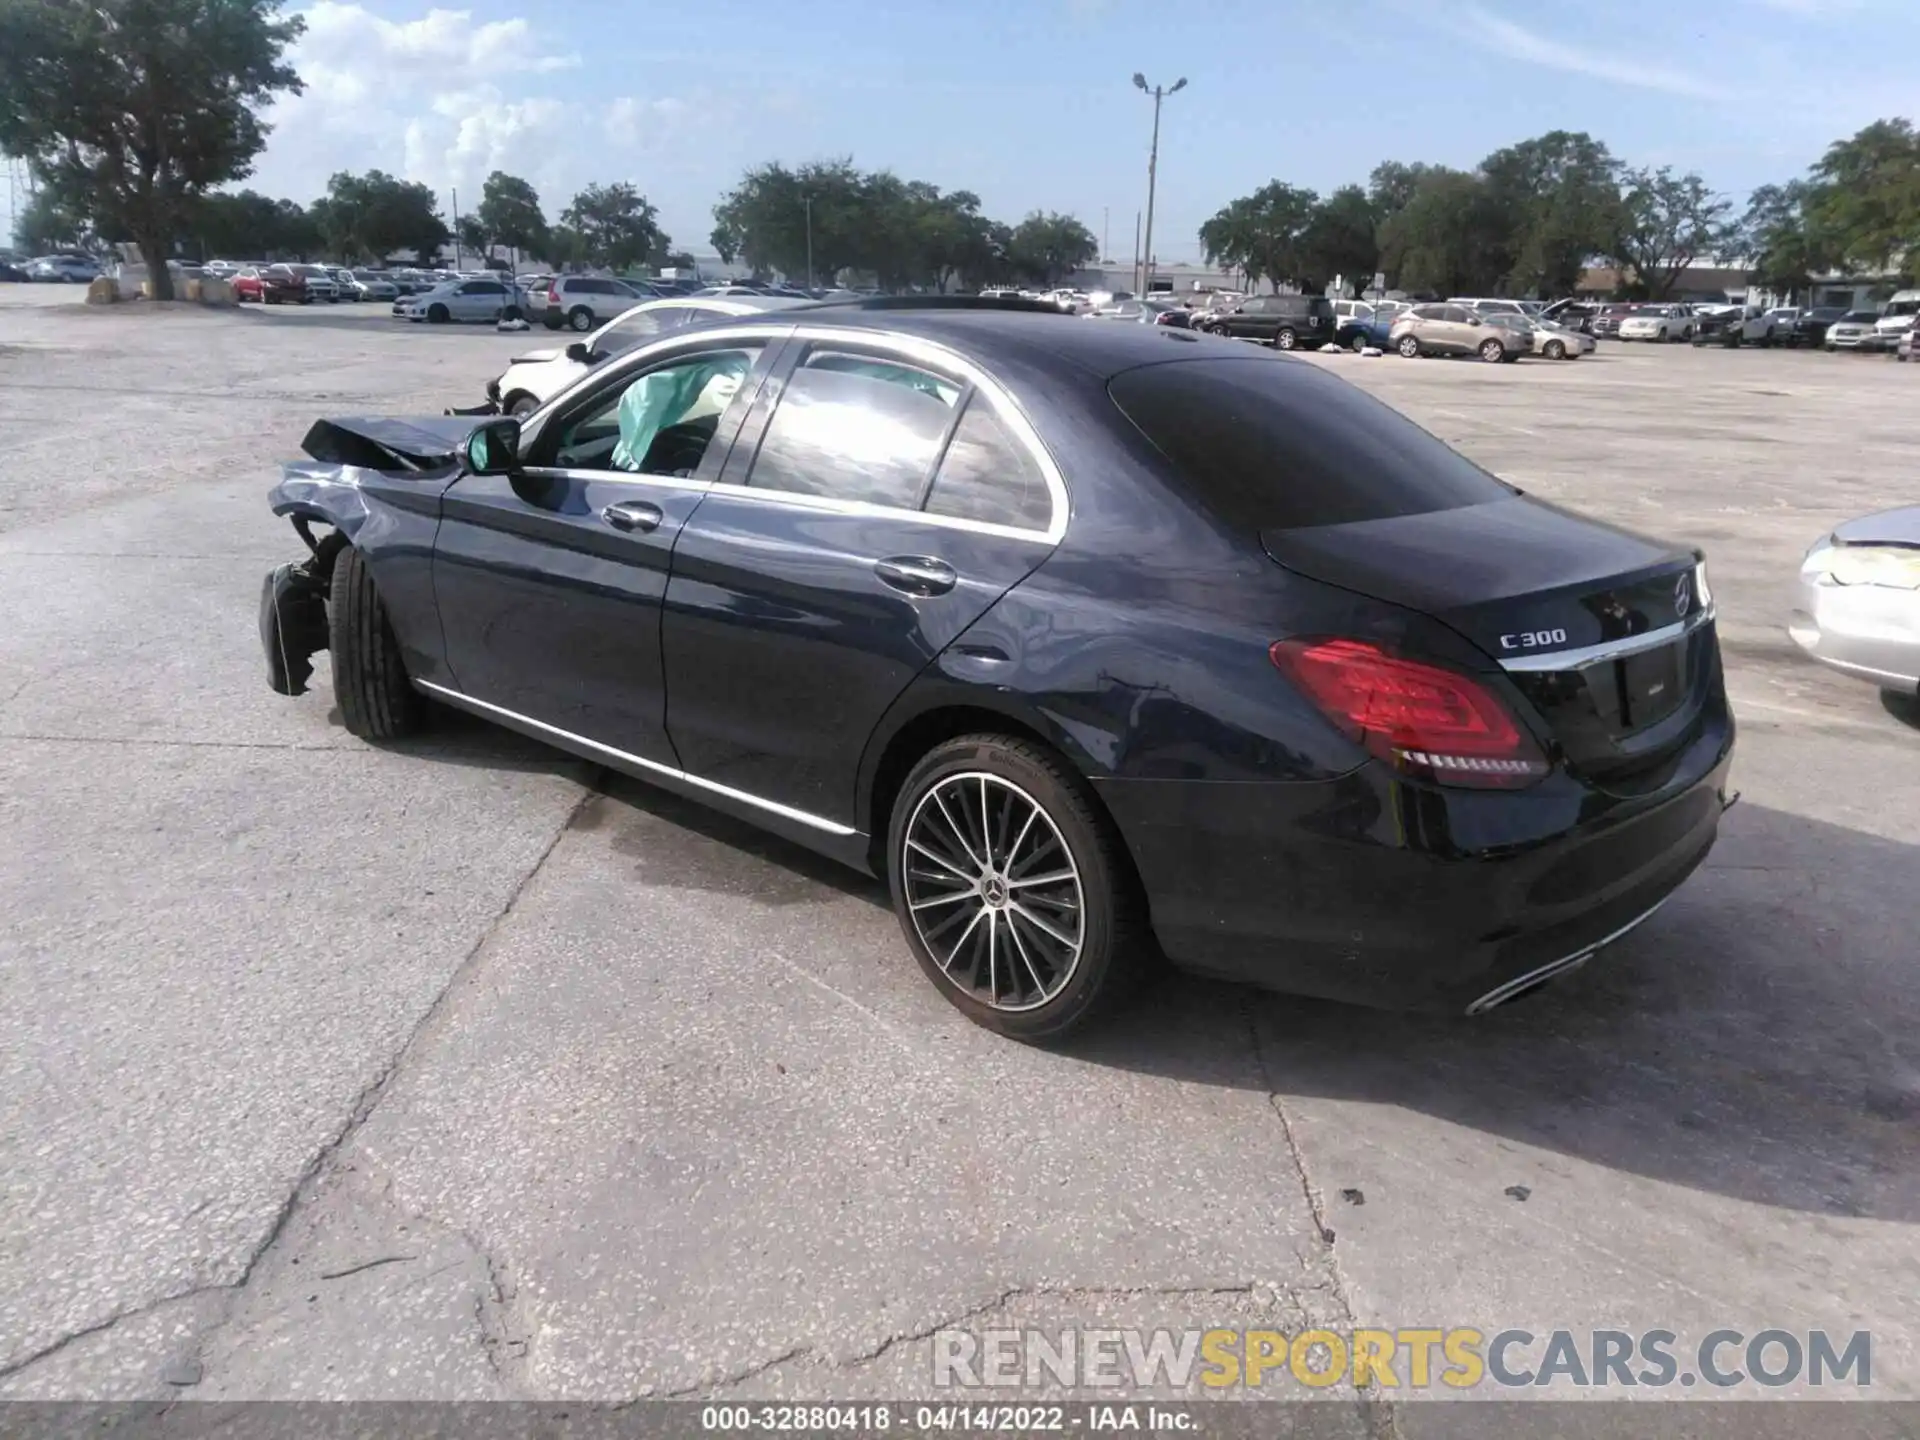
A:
<point x="270" y="285"/>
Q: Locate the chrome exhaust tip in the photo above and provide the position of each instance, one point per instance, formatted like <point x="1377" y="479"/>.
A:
<point x="1531" y="981"/>
<point x="1554" y="969"/>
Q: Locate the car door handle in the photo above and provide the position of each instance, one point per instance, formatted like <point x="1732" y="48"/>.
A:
<point x="633" y="515"/>
<point x="916" y="574"/>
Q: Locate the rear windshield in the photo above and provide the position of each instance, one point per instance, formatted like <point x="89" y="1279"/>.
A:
<point x="1268" y="444"/>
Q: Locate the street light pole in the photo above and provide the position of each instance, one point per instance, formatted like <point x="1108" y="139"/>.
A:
<point x="807" y="200"/>
<point x="1158" y="93"/>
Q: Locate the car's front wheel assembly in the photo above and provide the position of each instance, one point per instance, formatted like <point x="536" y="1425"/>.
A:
<point x="377" y="701"/>
<point x="1013" y="889"/>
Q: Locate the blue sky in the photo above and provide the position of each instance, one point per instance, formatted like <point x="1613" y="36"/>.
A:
<point x="1029" y="102"/>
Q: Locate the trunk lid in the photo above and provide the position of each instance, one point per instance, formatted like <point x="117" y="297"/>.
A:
<point x="1603" y="631"/>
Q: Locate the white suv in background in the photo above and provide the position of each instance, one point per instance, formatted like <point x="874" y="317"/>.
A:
<point x="581" y="302"/>
<point x="1896" y="320"/>
<point x="1665" y="323"/>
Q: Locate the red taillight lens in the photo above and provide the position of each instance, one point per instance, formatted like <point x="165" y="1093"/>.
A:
<point x="553" y="294"/>
<point x="1432" y="722"/>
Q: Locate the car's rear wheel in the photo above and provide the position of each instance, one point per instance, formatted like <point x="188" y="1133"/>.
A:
<point x="1012" y="888"/>
<point x="437" y="314"/>
<point x="1285" y="340"/>
<point x="1357" y="343"/>
<point x="1555" y="350"/>
<point x="1408" y="347"/>
<point x="370" y="684"/>
<point x="1492" y="351"/>
<point x="580" y="318"/>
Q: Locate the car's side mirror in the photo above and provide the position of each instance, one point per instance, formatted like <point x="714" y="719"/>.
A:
<point x="580" y="353"/>
<point x="494" y="448"/>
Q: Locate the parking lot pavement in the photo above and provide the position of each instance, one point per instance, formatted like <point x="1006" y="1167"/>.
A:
<point x="460" y="1069"/>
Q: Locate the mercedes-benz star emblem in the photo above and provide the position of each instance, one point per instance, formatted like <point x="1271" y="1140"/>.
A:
<point x="1682" y="597"/>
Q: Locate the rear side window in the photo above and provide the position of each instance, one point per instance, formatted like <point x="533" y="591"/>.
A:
<point x="852" y="428"/>
<point x="1271" y="445"/>
<point x="987" y="475"/>
<point x="1430" y="312"/>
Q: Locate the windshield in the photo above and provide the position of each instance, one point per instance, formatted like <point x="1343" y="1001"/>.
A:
<point x="1270" y="444"/>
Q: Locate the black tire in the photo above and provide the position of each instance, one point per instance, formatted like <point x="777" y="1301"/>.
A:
<point x="1285" y="340"/>
<point x="1408" y="347"/>
<point x="1492" y="352"/>
<point x="1358" y="343"/>
<point x="520" y="404"/>
<point x="1115" y="938"/>
<point x="437" y="314"/>
<point x="377" y="701"/>
<point x="1555" y="350"/>
<point x="580" y="318"/>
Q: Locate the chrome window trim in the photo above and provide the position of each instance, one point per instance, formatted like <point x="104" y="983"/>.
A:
<point x="1609" y="649"/>
<point x="922" y="352"/>
<point x="635" y="762"/>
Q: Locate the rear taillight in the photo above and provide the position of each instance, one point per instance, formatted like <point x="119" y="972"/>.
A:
<point x="553" y="294"/>
<point x="1438" y="724"/>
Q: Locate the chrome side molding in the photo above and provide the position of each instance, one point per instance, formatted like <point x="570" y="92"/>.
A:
<point x="634" y="764"/>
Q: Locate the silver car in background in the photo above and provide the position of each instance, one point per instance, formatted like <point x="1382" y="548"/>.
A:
<point x="1544" y="338"/>
<point x="479" y="300"/>
<point x="1860" y="600"/>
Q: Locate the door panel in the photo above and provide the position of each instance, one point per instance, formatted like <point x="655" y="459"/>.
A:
<point x="552" y="610"/>
<point x="784" y="645"/>
<point x="549" y="583"/>
<point x="803" y="603"/>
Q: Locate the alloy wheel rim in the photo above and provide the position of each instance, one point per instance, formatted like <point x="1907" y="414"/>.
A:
<point x="993" y="891"/>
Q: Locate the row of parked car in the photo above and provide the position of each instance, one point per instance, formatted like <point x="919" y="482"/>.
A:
<point x="66" y="268"/>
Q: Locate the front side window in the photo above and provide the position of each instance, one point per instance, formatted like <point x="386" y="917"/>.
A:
<point x="852" y="427"/>
<point x="658" y="423"/>
<point x="987" y="475"/>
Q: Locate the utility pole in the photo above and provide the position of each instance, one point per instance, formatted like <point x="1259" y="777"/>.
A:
<point x="807" y="200"/>
<point x="1106" y="223"/>
<point x="456" y="229"/>
<point x="1153" y="164"/>
<point x="1136" y="253"/>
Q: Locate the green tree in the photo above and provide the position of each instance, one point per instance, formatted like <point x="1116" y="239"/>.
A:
<point x="1780" y="243"/>
<point x="141" y="105"/>
<point x="1340" y="239"/>
<point x="1556" y="200"/>
<point x="1447" y="239"/>
<point x="510" y="215"/>
<point x="1866" y="195"/>
<point x="372" y="216"/>
<point x="1666" y="222"/>
<point x="471" y="235"/>
<point x="1264" y="234"/>
<point x="48" y="223"/>
<point x="1392" y="185"/>
<point x="1049" y="247"/>
<point x="618" y="228"/>
<point x="768" y="219"/>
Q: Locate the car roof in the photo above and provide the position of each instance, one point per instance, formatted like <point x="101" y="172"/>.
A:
<point x="1024" y="337"/>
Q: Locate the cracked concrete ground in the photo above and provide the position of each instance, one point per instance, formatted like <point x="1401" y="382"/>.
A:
<point x="460" y="1070"/>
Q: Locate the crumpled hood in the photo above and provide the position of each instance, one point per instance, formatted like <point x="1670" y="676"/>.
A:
<point x="1889" y="527"/>
<point x="426" y="442"/>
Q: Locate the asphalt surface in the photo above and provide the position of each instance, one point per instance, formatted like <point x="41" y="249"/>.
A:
<point x="459" y="1069"/>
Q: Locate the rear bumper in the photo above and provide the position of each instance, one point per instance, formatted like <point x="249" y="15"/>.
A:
<point x="1871" y="632"/>
<point x="1377" y="891"/>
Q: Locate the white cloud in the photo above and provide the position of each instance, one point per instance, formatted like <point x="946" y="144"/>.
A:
<point x="1491" y="32"/>
<point x="443" y="99"/>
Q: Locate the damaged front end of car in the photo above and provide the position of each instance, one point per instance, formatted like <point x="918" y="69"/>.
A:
<point x="369" y="482"/>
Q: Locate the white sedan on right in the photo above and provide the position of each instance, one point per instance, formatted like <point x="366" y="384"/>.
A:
<point x="1663" y="323"/>
<point x="530" y="380"/>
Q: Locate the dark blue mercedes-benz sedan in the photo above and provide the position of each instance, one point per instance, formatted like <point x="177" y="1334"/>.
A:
<point x="1099" y="643"/>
